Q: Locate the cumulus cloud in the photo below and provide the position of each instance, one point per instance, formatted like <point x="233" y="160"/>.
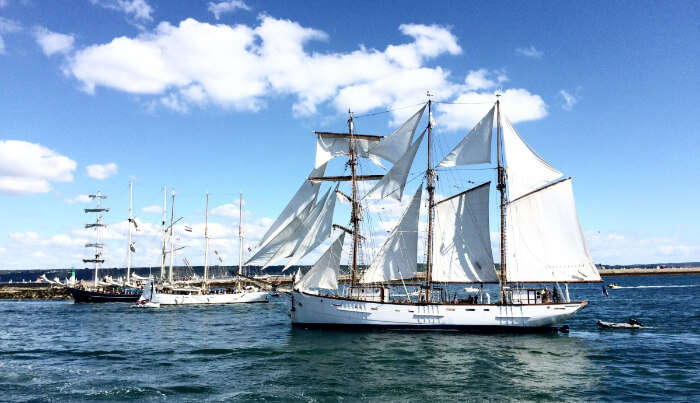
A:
<point x="137" y="9"/>
<point x="569" y="100"/>
<point x="483" y="79"/>
<point x="7" y="26"/>
<point x="519" y="105"/>
<point x="53" y="42"/>
<point x="79" y="199"/>
<point x="223" y="7"/>
<point x="101" y="171"/>
<point x="530" y="51"/>
<point x="238" y="66"/>
<point x="27" y="168"/>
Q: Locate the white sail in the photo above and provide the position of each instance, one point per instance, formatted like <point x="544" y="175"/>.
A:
<point x="462" y="250"/>
<point x="397" y="259"/>
<point x="287" y="235"/>
<point x="393" y="182"/>
<point x="475" y="148"/>
<point x="324" y="273"/>
<point x="329" y="146"/>
<point x="304" y="196"/>
<point x="394" y="146"/>
<point x="544" y="238"/>
<point x="286" y="249"/>
<point x="317" y="232"/>
<point x="526" y="170"/>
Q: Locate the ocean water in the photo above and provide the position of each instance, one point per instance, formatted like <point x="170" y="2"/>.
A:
<point x="60" y="351"/>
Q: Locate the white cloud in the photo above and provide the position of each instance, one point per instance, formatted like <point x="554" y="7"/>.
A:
<point x="53" y="42"/>
<point x="101" y="171"/>
<point x="519" y="105"/>
<point x="237" y="66"/>
<point x="629" y="248"/>
<point x="79" y="199"/>
<point x="224" y="7"/>
<point x="153" y="209"/>
<point x="3" y="3"/>
<point x="137" y="9"/>
<point x="530" y="51"/>
<point x="7" y="26"/>
<point x="569" y="100"/>
<point x="27" y="168"/>
<point x="479" y="79"/>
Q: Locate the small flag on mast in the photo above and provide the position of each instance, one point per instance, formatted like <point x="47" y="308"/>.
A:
<point x="188" y="228"/>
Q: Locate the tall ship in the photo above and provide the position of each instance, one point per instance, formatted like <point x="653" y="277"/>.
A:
<point x="542" y="248"/>
<point x="171" y="292"/>
<point x="101" y="291"/>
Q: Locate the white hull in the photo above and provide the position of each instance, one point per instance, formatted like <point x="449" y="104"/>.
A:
<point x="310" y="310"/>
<point x="198" y="299"/>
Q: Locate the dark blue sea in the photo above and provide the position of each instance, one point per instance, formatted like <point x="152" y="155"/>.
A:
<point x="60" y="351"/>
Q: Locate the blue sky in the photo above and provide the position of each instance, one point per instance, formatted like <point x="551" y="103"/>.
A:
<point x="223" y="96"/>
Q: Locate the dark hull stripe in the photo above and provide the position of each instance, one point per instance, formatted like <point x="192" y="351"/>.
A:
<point x="82" y="296"/>
<point x="421" y="328"/>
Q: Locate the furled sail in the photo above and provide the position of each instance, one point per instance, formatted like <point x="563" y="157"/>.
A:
<point x="462" y="239"/>
<point x="290" y="245"/>
<point x="318" y="231"/>
<point x="544" y="238"/>
<point x="329" y="146"/>
<point x="526" y="170"/>
<point x="393" y="146"/>
<point x="324" y="273"/>
<point x="475" y="148"/>
<point x="397" y="259"/>
<point x="393" y="182"/>
<point x="304" y="197"/>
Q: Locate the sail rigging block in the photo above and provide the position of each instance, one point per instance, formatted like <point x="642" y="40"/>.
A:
<point x="397" y="259"/>
<point x="393" y="183"/>
<point x="475" y="148"/>
<point x="324" y="273"/>
<point x="462" y="238"/>
<point x="395" y="145"/>
<point x="305" y="196"/>
<point x="526" y="170"/>
<point x="545" y="240"/>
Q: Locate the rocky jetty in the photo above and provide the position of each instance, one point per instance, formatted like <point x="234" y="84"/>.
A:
<point x="33" y="291"/>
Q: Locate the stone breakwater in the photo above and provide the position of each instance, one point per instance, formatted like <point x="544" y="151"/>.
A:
<point x="33" y="291"/>
<point x="647" y="272"/>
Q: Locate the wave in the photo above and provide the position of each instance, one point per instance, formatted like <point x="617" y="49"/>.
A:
<point x="658" y="286"/>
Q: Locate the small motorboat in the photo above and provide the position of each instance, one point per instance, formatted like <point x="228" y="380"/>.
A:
<point x="613" y="286"/>
<point x="144" y="303"/>
<point x="471" y="289"/>
<point x="630" y="324"/>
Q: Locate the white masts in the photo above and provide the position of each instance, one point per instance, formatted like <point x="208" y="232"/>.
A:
<point x="164" y="232"/>
<point x="97" y="225"/>
<point x="430" y="186"/>
<point x="206" y="242"/>
<point x="131" y="222"/>
<point x="172" y="243"/>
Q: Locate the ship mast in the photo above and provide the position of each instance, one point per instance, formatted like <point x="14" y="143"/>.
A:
<point x="206" y="241"/>
<point x="355" y="204"/>
<point x="240" y="236"/>
<point x="131" y="222"/>
<point x="172" y="247"/>
<point x="164" y="231"/>
<point x="430" y="186"/>
<point x="98" y="225"/>
<point x="502" y="189"/>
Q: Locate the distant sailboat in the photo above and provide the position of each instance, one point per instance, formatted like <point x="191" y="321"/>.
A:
<point x="541" y="238"/>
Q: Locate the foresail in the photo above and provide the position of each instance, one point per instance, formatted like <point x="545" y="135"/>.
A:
<point x="287" y="235"/>
<point x="304" y="197"/>
<point x="544" y="238"/>
<point x="397" y="259"/>
<point x="393" y="182"/>
<point x="324" y="273"/>
<point x="394" y="146"/>
<point x="526" y="170"/>
<point x="318" y="231"/>
<point x="462" y="251"/>
<point x="475" y="148"/>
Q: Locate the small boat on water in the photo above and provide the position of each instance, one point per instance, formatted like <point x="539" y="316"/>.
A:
<point x="143" y="303"/>
<point x="613" y="286"/>
<point x="630" y="324"/>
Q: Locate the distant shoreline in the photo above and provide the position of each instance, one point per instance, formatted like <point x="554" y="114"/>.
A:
<point x="648" y="272"/>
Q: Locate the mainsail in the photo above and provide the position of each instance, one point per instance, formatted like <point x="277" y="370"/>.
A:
<point x="462" y="239"/>
<point x="304" y="197"/>
<point x="527" y="171"/>
<point x="397" y="259"/>
<point x="475" y="148"/>
<point x="393" y="182"/>
<point x="324" y="273"/>
<point x="397" y="143"/>
<point x="545" y="240"/>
